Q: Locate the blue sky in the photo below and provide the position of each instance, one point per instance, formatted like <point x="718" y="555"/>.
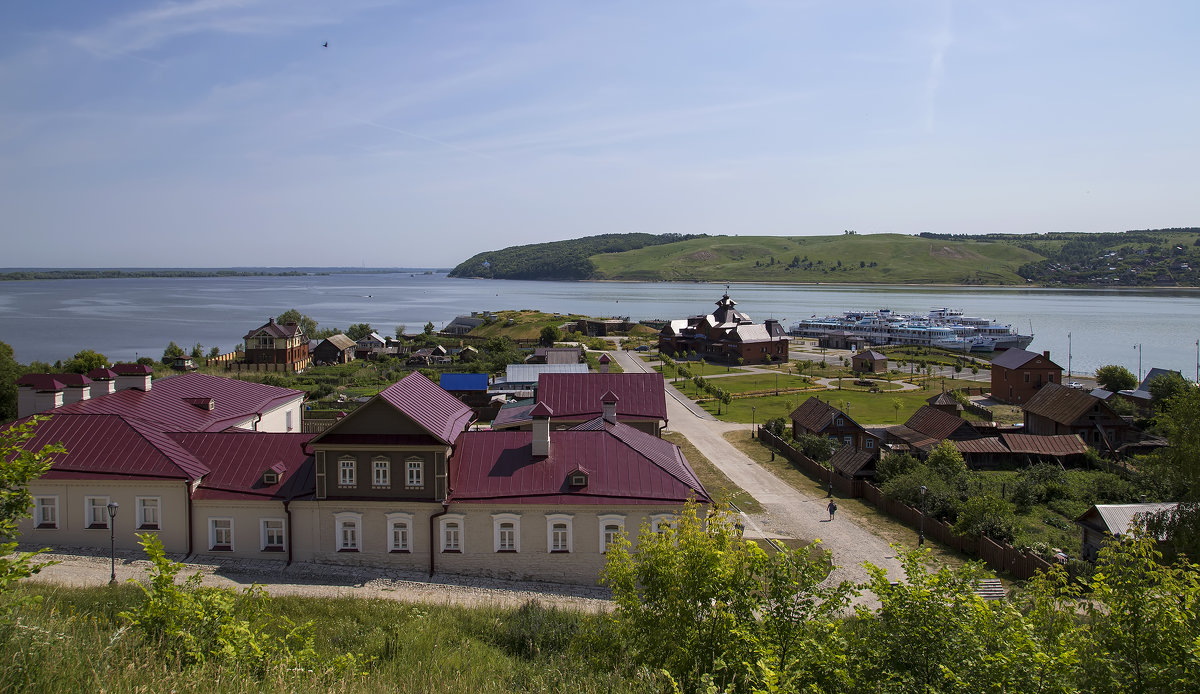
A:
<point x="221" y="132"/>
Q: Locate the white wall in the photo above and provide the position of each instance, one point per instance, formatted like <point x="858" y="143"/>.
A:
<point x="72" y="530"/>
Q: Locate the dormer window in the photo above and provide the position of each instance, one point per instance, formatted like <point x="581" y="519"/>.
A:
<point x="578" y="477"/>
<point x="270" y="477"/>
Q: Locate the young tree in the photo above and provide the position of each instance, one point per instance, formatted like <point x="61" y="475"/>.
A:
<point x="428" y="329"/>
<point x="214" y="352"/>
<point x="896" y="405"/>
<point x="549" y="336"/>
<point x="358" y="331"/>
<point x="171" y="352"/>
<point x="1115" y="377"/>
<point x="18" y="467"/>
<point x="988" y="515"/>
<point x="84" y="361"/>
<point x="307" y="324"/>
<point x="197" y="351"/>
<point x="400" y="330"/>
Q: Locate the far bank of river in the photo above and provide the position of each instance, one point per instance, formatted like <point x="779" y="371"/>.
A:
<point x="124" y="318"/>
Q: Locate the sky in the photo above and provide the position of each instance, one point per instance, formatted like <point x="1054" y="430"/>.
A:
<point x="216" y="133"/>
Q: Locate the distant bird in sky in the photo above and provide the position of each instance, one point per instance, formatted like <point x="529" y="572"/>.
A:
<point x="325" y="45"/>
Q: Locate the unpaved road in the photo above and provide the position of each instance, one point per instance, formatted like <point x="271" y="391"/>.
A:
<point x="788" y="512"/>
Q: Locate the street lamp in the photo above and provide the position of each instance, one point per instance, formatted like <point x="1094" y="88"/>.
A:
<point x="752" y="410"/>
<point x="830" y="494"/>
<point x="921" y="534"/>
<point x="112" y="539"/>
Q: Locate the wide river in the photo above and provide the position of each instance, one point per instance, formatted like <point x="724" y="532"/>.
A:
<point x="124" y="318"/>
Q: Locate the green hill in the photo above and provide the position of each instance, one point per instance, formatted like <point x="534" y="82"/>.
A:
<point x="1169" y="257"/>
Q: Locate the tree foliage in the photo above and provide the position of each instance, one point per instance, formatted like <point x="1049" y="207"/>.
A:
<point x="306" y="323"/>
<point x="549" y="336"/>
<point x="84" y="361"/>
<point x="557" y="260"/>
<point x="10" y="371"/>
<point x="18" y="467"/>
<point x="358" y="331"/>
<point x="1115" y="377"/>
<point x="171" y="352"/>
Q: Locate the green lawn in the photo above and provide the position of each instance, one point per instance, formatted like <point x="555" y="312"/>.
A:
<point x="864" y="407"/>
<point x="755" y="382"/>
<point x="849" y="383"/>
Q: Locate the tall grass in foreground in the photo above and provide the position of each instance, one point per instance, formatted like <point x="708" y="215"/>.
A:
<point x="74" y="641"/>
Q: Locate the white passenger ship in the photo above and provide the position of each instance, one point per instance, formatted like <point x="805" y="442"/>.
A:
<point x="941" y="327"/>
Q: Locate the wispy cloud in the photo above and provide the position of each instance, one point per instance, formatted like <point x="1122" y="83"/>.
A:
<point x="941" y="42"/>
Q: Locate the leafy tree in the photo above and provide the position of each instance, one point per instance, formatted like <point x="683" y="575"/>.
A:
<point x="1179" y="466"/>
<point x="18" y="467"/>
<point x="549" y="336"/>
<point x="894" y="465"/>
<point x="171" y="352"/>
<point x="896" y="405"/>
<point x="1115" y="377"/>
<point x="197" y="351"/>
<point x="428" y="329"/>
<point x="358" y="331"/>
<point x="307" y="324"/>
<point x="817" y="447"/>
<point x="400" y="330"/>
<point x="10" y="371"/>
<point x="214" y="352"/>
<point x="1163" y="388"/>
<point x="989" y="515"/>
<point x="84" y="361"/>
<point x="947" y="462"/>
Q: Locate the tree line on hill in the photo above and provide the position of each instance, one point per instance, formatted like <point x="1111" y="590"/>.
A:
<point x="557" y="260"/>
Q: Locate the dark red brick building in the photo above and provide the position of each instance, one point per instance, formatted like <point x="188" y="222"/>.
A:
<point x="1018" y="374"/>
<point x="278" y="344"/>
<point x="726" y="335"/>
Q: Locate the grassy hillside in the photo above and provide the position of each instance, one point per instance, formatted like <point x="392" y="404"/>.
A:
<point x="876" y="258"/>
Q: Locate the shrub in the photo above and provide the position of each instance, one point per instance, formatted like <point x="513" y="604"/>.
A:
<point x="989" y="515"/>
<point x="894" y="465"/>
<point x="816" y="447"/>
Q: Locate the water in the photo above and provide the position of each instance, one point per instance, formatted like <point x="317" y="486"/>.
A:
<point x="125" y="318"/>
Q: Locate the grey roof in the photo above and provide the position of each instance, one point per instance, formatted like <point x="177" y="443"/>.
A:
<point x="1153" y="374"/>
<point x="528" y="373"/>
<point x="340" y="341"/>
<point x="1017" y="358"/>
<point x="1120" y="518"/>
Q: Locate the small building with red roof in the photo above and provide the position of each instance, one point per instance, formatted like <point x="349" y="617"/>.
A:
<point x="577" y="398"/>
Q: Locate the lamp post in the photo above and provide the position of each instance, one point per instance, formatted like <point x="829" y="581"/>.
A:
<point x="112" y="539"/>
<point x="752" y="410"/>
<point x="921" y="534"/>
<point x="830" y="494"/>
<point x="1138" y="347"/>
<point x="1069" y="379"/>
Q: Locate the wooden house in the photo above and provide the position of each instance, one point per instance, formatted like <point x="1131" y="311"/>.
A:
<point x="726" y="335"/>
<point x="284" y="345"/>
<point x="1057" y="409"/>
<point x="335" y="349"/>
<point x="869" y="362"/>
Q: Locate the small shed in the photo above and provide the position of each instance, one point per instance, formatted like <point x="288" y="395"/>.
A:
<point x="869" y="362"/>
<point x="1103" y="522"/>
<point x="335" y="349"/>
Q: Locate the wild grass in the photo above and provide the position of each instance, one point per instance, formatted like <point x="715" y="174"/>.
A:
<point x="74" y="641"/>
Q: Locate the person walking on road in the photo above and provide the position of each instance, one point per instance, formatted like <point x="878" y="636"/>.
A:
<point x="832" y="509"/>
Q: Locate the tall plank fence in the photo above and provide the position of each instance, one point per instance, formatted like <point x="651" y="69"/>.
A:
<point x="998" y="556"/>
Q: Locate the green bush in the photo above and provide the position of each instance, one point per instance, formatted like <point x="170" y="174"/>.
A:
<point x="989" y="515"/>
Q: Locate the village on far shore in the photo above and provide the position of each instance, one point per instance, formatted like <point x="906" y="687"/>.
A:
<point x="468" y="452"/>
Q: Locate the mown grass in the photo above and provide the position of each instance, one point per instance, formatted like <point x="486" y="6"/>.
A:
<point x="74" y="641"/>
<point x="864" y="407"/>
<point x="718" y="486"/>
<point x="898" y="259"/>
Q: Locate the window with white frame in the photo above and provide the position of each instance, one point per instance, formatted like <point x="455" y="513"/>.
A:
<point x="45" y="511"/>
<point x="661" y="521"/>
<point x="272" y="535"/>
<point x="346" y="469"/>
<point x="558" y="533"/>
<point x="506" y="532"/>
<point x="848" y="439"/>
<point x="612" y="527"/>
<point x="381" y="471"/>
<point x="452" y="532"/>
<point x="414" y="468"/>
<point x="220" y="534"/>
<point x="147" y="512"/>
<point x="347" y="527"/>
<point x="95" y="512"/>
<point x="399" y="532"/>
<point x="868" y="443"/>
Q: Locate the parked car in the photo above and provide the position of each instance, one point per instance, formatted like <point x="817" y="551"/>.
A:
<point x="642" y="348"/>
<point x="1076" y="385"/>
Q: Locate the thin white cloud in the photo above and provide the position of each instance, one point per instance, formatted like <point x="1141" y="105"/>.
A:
<point x="941" y="42"/>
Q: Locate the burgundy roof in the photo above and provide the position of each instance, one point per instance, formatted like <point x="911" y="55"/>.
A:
<point x="541" y="409"/>
<point x="938" y="424"/>
<point x="42" y="381"/>
<point x="423" y="401"/>
<point x="573" y="395"/>
<point x="167" y="402"/>
<point x="1017" y="358"/>
<point x="102" y="374"/>
<point x="132" y="369"/>
<point x="237" y="461"/>
<point x="1057" y="445"/>
<point x="108" y="444"/>
<point x="275" y="330"/>
<point x="625" y="465"/>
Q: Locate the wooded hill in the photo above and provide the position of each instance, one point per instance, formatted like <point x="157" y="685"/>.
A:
<point x="1168" y="257"/>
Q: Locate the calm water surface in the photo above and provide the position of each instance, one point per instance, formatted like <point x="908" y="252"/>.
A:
<point x="124" y="318"/>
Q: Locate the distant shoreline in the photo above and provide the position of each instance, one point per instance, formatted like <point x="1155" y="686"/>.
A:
<point x="29" y="274"/>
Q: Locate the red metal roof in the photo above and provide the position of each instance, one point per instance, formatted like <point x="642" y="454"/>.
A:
<point x="237" y="461"/>
<point x="132" y="369"/>
<point x="574" y="395"/>
<point x="275" y="330"/>
<point x="42" y="381"/>
<point x="102" y="374"/>
<point x="423" y="401"/>
<point x="380" y="439"/>
<point x="109" y="444"/>
<point x="167" y="402"/>
<point x="625" y="465"/>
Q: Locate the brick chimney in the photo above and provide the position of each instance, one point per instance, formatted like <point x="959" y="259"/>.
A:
<point x="133" y="376"/>
<point x="1046" y="354"/>
<point x="541" y="429"/>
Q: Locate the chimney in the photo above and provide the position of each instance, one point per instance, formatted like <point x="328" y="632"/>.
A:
<point x="604" y="360"/>
<point x="38" y="393"/>
<point x="608" y="403"/>
<point x="1046" y="354"/>
<point x="133" y="376"/>
<point x="104" y="381"/>
<point x="541" y="429"/>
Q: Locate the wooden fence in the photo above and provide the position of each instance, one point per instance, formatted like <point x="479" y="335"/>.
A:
<point x="998" y="557"/>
